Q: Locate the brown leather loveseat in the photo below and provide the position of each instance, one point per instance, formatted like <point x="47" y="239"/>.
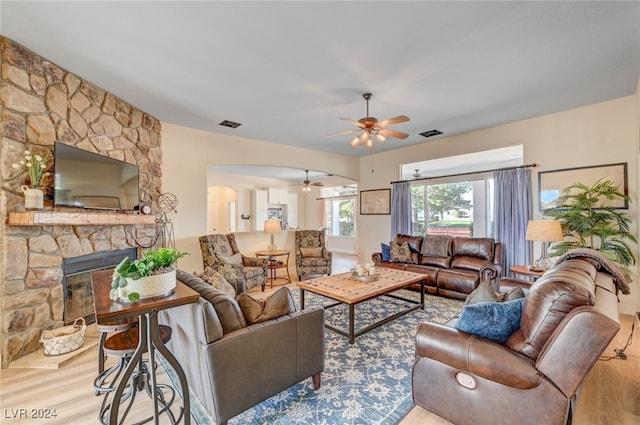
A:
<point x="568" y="318"/>
<point x="453" y="265"/>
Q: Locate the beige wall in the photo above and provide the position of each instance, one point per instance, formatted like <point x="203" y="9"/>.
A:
<point x="596" y="134"/>
<point x="188" y="152"/>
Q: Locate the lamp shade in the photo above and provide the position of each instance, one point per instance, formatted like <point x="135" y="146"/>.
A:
<point x="272" y="226"/>
<point x="544" y="230"/>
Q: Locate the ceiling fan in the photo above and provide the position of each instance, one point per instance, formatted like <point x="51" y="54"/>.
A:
<point x="306" y="184"/>
<point x="370" y="128"/>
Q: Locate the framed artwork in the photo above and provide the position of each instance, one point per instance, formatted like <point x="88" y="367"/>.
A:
<point x="551" y="183"/>
<point x="377" y="201"/>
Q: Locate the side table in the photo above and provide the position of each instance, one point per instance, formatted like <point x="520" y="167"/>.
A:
<point x="148" y="339"/>
<point x="273" y="264"/>
<point x="525" y="271"/>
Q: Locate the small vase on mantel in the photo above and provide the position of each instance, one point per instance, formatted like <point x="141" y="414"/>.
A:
<point x="33" y="198"/>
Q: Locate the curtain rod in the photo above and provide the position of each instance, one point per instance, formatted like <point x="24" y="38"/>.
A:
<point x="337" y="197"/>
<point x="469" y="173"/>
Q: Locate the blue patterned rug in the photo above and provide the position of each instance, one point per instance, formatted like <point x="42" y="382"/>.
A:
<point x="367" y="383"/>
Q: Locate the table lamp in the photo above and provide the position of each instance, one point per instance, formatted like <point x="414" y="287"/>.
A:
<point x="545" y="231"/>
<point x="273" y="227"/>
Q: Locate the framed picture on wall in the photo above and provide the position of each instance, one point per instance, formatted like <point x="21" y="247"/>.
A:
<point x="551" y="183"/>
<point x="375" y="202"/>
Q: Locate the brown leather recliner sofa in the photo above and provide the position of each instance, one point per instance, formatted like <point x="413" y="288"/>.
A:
<point x="454" y="265"/>
<point x="569" y="316"/>
<point x="231" y="366"/>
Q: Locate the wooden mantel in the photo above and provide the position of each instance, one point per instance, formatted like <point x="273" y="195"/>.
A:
<point x="65" y="218"/>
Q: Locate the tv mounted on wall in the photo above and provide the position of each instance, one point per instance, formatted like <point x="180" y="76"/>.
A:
<point x="88" y="180"/>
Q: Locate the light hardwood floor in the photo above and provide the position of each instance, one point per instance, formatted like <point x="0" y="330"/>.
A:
<point x="610" y="394"/>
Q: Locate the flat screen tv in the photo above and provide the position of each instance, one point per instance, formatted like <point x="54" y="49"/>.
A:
<point x="88" y="180"/>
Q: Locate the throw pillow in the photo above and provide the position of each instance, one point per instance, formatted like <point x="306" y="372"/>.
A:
<point x="400" y="253"/>
<point x="511" y="294"/>
<point x="386" y="252"/>
<point x="311" y="252"/>
<point x="216" y="280"/>
<point x="258" y="310"/>
<point x="233" y="259"/>
<point x="484" y="293"/>
<point x="494" y="321"/>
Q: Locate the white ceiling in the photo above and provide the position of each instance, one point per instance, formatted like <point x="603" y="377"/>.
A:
<point x="289" y="70"/>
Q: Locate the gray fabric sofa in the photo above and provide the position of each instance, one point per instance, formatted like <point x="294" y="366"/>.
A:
<point x="230" y="366"/>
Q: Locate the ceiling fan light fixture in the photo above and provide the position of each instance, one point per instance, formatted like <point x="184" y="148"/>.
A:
<point x="306" y="188"/>
<point x="372" y="128"/>
<point x="370" y="144"/>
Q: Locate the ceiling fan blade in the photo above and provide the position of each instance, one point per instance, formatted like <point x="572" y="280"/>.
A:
<point x="394" y="120"/>
<point x="317" y="184"/>
<point x="341" y="133"/>
<point x="354" y="122"/>
<point x="393" y="133"/>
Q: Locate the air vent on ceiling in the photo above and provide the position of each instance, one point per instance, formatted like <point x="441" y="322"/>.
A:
<point x="431" y="133"/>
<point x="230" y="124"/>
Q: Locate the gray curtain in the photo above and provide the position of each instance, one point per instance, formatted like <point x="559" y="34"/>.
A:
<point x="400" y="209"/>
<point x="512" y="212"/>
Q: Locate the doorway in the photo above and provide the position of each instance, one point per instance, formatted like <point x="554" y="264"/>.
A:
<point x="221" y="209"/>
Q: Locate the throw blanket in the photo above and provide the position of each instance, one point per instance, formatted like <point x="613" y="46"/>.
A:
<point x="603" y="263"/>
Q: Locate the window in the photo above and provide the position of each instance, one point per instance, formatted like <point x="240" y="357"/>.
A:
<point x="339" y="207"/>
<point x="461" y="208"/>
<point x="454" y="195"/>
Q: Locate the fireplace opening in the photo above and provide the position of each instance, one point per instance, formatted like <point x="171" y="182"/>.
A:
<point x="77" y="284"/>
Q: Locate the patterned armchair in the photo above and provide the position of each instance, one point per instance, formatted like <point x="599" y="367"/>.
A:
<point x="221" y="253"/>
<point x="312" y="257"/>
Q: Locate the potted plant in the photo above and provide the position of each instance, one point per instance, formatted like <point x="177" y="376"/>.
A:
<point x="152" y="275"/>
<point x="588" y="222"/>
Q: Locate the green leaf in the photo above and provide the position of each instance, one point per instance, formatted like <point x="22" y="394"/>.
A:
<point x="124" y="265"/>
<point x="134" y="296"/>
<point x="113" y="294"/>
<point x="587" y="222"/>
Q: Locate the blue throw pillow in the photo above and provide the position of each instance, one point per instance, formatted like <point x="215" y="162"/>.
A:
<point x="386" y="252"/>
<point x="494" y="321"/>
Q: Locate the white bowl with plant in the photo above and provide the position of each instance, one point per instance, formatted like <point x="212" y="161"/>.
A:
<point x="152" y="275"/>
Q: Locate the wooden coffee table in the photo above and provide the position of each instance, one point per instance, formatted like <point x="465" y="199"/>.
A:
<point x="344" y="289"/>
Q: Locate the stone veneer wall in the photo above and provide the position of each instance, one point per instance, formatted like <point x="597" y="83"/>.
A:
<point x="40" y="103"/>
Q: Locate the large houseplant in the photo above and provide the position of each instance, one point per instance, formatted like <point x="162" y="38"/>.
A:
<point x="151" y="275"/>
<point x="589" y="222"/>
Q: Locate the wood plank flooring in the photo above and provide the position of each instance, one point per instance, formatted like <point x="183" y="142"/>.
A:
<point x="610" y="394"/>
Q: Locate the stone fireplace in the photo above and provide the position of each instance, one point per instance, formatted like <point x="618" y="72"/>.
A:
<point x="41" y="103"/>
<point x="76" y="281"/>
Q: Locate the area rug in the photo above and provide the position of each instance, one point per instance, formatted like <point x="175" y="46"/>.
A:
<point x="366" y="383"/>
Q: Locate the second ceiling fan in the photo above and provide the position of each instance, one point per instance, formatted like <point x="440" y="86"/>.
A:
<point x="306" y="184"/>
<point x="370" y="128"/>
